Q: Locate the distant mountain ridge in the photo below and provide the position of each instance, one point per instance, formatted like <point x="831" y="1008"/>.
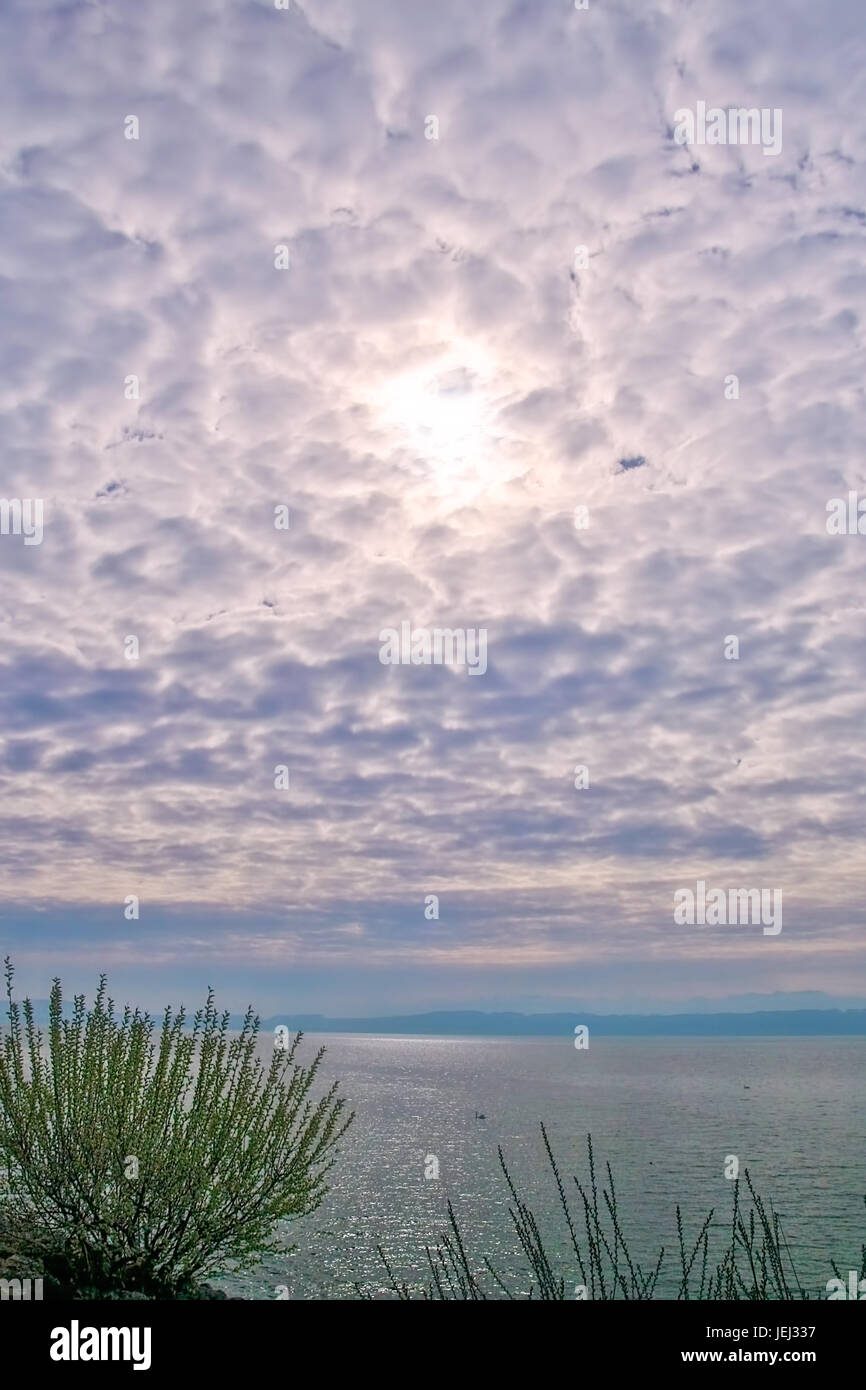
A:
<point x="762" y="1023"/>
<point x="445" y="1023"/>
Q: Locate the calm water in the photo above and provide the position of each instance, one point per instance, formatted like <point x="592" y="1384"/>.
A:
<point x="664" y="1112"/>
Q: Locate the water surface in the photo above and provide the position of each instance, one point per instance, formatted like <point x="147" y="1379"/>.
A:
<point x="665" y="1112"/>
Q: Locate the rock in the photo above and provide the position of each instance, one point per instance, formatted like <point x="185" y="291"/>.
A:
<point x="29" y="1253"/>
<point x="18" y="1267"/>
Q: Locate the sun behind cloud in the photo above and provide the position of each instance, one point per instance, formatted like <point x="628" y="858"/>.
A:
<point x="444" y="415"/>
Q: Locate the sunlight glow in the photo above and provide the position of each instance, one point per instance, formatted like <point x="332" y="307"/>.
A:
<point x="444" y="416"/>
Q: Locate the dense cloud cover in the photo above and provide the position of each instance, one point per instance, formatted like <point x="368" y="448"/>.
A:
<point x="432" y="387"/>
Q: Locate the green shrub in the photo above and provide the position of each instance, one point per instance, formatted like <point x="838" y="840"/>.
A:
<point x="145" y="1163"/>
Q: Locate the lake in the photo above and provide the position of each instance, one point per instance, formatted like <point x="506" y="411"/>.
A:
<point x="665" y="1112"/>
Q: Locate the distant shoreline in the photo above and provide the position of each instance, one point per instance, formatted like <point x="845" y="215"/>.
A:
<point x="763" y="1023"/>
<point x="805" y="1023"/>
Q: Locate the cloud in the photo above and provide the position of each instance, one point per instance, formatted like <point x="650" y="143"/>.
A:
<point x="432" y="388"/>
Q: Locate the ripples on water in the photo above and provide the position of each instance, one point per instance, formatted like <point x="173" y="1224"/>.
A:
<point x="664" y="1112"/>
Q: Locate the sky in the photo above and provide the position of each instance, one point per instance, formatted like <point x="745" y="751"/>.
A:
<point x="327" y="319"/>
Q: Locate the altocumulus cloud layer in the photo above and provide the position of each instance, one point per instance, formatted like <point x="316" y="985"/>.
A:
<point x="432" y="387"/>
